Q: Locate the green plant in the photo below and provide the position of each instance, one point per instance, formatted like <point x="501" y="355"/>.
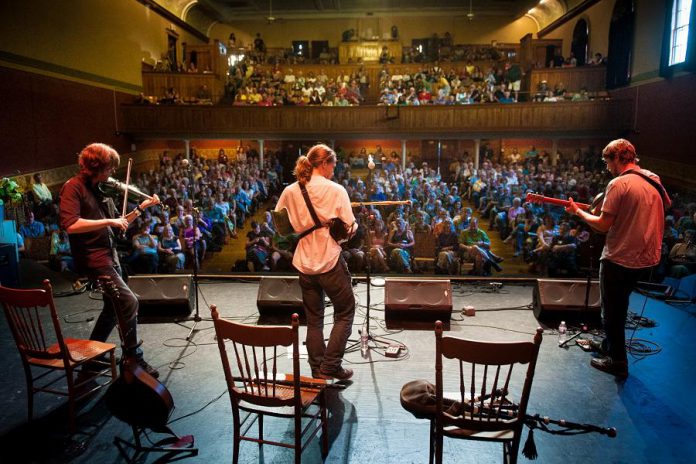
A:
<point x="9" y="191"/>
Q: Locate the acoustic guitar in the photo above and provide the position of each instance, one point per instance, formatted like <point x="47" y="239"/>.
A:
<point x="136" y="397"/>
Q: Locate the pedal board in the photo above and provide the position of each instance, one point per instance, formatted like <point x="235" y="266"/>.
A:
<point x="392" y="351"/>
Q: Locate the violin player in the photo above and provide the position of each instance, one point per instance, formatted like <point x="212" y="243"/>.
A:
<point x="90" y="220"/>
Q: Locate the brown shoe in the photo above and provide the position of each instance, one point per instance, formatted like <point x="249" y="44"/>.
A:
<point x="340" y="374"/>
<point x="607" y="364"/>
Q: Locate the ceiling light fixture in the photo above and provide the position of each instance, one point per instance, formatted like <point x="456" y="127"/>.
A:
<point x="470" y="14"/>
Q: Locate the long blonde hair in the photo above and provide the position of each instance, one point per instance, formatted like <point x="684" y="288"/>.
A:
<point x="316" y="155"/>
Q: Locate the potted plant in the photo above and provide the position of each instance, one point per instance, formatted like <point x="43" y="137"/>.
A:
<point x="10" y="192"/>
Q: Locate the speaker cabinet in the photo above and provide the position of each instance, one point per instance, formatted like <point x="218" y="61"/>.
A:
<point x="417" y="304"/>
<point x="163" y="295"/>
<point x="278" y="299"/>
<point x="565" y="297"/>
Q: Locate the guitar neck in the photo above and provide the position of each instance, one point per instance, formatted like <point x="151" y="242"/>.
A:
<point x="557" y="202"/>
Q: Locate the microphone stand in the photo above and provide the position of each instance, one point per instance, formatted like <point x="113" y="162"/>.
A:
<point x="368" y="266"/>
<point x="586" y="307"/>
<point x="196" y="318"/>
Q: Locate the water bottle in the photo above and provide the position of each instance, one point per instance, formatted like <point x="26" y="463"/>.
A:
<point x="562" y="333"/>
<point x="364" y="340"/>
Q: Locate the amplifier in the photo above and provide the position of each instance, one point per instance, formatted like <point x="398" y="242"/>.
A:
<point x="562" y="298"/>
<point x="278" y="299"/>
<point x="163" y="295"/>
<point x="417" y="304"/>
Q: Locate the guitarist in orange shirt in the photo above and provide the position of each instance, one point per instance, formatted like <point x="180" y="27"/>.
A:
<point x="632" y="216"/>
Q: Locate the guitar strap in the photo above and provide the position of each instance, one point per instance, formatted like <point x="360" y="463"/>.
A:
<point x="660" y="189"/>
<point x="317" y="222"/>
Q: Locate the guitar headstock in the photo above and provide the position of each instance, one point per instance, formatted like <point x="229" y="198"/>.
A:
<point x="107" y="287"/>
<point x="534" y="198"/>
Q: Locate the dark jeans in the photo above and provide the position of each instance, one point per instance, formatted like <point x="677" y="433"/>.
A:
<point x="336" y="283"/>
<point x="615" y="286"/>
<point x="120" y="309"/>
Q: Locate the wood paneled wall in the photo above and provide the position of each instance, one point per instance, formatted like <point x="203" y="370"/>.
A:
<point x="565" y="119"/>
<point x="155" y="84"/>
<point x="592" y="78"/>
<point x="47" y="121"/>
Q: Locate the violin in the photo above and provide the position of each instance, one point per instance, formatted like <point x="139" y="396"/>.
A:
<point x="114" y="188"/>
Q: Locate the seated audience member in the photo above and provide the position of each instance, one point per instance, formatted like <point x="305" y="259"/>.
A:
<point x="562" y="256"/>
<point x="582" y="95"/>
<point x="258" y="248"/>
<point x="682" y="256"/>
<point x="545" y="234"/>
<point x="507" y="220"/>
<point x="421" y="225"/>
<point x="475" y="245"/>
<point x="461" y="221"/>
<point x="353" y="253"/>
<point x="144" y="258"/>
<point x="42" y="195"/>
<point x="203" y="94"/>
<point x="401" y="243"/>
<point x="282" y="251"/>
<point x="170" y="252"/>
<point x="60" y="256"/>
<point x="190" y="237"/>
<point x="378" y="238"/>
<point x="447" y="249"/>
<point x="32" y="228"/>
<point x="597" y="60"/>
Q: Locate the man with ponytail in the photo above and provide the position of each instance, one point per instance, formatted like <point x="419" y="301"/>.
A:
<point x="318" y="258"/>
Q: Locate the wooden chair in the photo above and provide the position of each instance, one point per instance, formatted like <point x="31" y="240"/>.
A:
<point x="424" y="250"/>
<point x="38" y="249"/>
<point x="256" y="387"/>
<point x="27" y="313"/>
<point x="487" y="409"/>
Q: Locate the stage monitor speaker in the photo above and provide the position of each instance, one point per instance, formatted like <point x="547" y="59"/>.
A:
<point x="163" y="295"/>
<point x="417" y="304"/>
<point x="561" y="298"/>
<point x="278" y="299"/>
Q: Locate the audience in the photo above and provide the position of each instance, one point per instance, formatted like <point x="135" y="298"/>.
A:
<point x="32" y="228"/>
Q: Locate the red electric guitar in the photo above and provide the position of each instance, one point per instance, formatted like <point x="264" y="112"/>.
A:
<point x="540" y="199"/>
<point x="594" y="208"/>
<point x="589" y="252"/>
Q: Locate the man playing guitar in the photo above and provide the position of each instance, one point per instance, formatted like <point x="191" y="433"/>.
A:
<point x="318" y="257"/>
<point x="632" y="216"/>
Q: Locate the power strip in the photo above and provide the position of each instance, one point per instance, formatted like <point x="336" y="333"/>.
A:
<point x="392" y="351"/>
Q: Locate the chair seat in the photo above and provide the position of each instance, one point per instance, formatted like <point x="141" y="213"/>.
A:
<point x="80" y="350"/>
<point x="495" y="435"/>
<point x="286" y="392"/>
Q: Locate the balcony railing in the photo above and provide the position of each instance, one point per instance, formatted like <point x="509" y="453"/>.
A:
<point x="563" y="119"/>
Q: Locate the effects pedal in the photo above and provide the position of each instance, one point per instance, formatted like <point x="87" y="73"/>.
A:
<point x="392" y="351"/>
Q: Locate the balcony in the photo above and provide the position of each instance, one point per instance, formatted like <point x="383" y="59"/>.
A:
<point x="598" y="118"/>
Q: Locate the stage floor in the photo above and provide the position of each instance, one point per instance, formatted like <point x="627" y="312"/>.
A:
<point x="650" y="410"/>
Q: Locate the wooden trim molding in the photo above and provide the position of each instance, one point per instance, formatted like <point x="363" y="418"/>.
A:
<point x="599" y="118"/>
